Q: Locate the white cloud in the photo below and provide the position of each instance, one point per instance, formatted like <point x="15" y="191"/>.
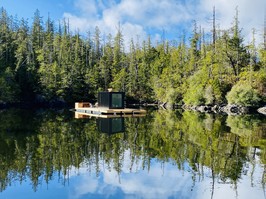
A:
<point x="111" y="18"/>
<point x="133" y="31"/>
<point x="86" y="7"/>
<point x="143" y="17"/>
<point x="163" y="180"/>
<point x="135" y="16"/>
<point x="77" y="23"/>
<point x="158" y="182"/>
<point x="153" y="13"/>
<point x="251" y="15"/>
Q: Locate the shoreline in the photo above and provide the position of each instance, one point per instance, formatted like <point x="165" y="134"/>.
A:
<point x="229" y="109"/>
<point x="224" y="108"/>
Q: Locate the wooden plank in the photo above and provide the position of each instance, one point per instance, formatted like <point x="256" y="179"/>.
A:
<point x="93" y="110"/>
<point x="79" y="115"/>
<point x="82" y="104"/>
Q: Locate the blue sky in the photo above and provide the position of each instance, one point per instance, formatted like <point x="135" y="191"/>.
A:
<point x="140" y="18"/>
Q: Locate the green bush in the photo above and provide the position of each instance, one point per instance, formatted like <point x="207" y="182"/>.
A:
<point x="194" y="96"/>
<point x="8" y="87"/>
<point x="243" y="94"/>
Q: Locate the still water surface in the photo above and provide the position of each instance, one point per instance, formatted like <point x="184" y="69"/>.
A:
<point x="167" y="154"/>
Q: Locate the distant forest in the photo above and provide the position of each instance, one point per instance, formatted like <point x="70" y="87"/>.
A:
<point x="45" y="62"/>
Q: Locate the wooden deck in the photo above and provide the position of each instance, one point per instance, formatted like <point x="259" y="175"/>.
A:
<point x="79" y="115"/>
<point x="104" y="112"/>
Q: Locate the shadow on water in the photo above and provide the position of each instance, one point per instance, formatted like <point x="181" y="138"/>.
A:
<point x="38" y="144"/>
<point x="111" y="125"/>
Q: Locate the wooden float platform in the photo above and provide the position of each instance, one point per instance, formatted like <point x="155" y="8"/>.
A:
<point x="85" y="109"/>
<point x="79" y="115"/>
<point x="108" y="113"/>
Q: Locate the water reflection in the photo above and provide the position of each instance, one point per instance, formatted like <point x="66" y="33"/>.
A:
<point x="111" y="125"/>
<point x="166" y="154"/>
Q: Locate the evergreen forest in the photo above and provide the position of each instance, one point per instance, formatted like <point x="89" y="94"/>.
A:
<point x="45" y="62"/>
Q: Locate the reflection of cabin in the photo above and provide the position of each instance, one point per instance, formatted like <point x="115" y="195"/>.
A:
<point x="111" y="100"/>
<point x="111" y="125"/>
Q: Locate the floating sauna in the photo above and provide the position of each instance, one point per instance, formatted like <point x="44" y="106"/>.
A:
<point x="110" y="104"/>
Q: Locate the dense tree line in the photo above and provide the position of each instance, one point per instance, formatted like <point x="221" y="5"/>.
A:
<point x="45" y="62"/>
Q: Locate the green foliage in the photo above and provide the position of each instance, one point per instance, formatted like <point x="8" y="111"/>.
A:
<point x="243" y="94"/>
<point x="8" y="87"/>
<point x="195" y="92"/>
<point x="54" y="64"/>
<point x="119" y="80"/>
<point x="194" y="96"/>
<point x="259" y="82"/>
<point x="209" y="95"/>
<point x="262" y="56"/>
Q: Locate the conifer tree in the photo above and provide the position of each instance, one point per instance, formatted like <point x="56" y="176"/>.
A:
<point x="235" y="51"/>
<point x="106" y="63"/>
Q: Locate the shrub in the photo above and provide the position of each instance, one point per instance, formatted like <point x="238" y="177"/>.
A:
<point x="243" y="94"/>
<point x="209" y="95"/>
<point x="194" y="96"/>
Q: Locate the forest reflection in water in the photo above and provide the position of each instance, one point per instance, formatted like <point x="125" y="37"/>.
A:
<point x="165" y="154"/>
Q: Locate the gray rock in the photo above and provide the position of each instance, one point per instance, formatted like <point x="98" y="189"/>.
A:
<point x="262" y="110"/>
<point x="203" y="108"/>
<point x="233" y="109"/>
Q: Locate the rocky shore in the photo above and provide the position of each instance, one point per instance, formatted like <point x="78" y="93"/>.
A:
<point x="262" y="110"/>
<point x="227" y="109"/>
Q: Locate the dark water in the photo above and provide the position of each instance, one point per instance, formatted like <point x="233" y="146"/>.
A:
<point x="167" y="154"/>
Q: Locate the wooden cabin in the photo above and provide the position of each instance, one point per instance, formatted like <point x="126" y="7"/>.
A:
<point x="111" y="100"/>
<point x="109" y="103"/>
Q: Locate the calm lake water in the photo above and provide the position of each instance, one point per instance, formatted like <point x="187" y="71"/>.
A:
<point x="166" y="154"/>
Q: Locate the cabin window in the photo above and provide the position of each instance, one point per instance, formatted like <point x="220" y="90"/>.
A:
<point x="117" y="100"/>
